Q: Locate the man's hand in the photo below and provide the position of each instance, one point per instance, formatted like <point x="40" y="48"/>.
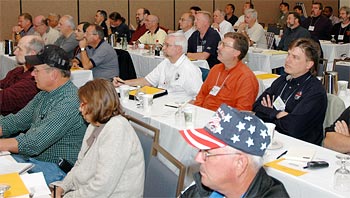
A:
<point x="267" y="102"/>
<point x="16" y="29"/>
<point x="117" y="82"/>
<point x="342" y="127"/>
<point x="83" y="43"/>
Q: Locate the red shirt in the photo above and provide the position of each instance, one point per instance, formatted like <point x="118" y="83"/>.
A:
<point x="18" y="88"/>
<point x="239" y="90"/>
<point x="140" y="30"/>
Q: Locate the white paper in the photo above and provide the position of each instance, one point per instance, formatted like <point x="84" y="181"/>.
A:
<point x="35" y="183"/>
<point x="8" y="166"/>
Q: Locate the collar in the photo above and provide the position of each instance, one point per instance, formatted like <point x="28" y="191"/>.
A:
<point x="179" y="60"/>
<point x="155" y="32"/>
<point x="300" y="79"/>
<point x="100" y="43"/>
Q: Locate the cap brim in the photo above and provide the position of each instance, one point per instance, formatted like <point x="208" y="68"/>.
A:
<point x="33" y="60"/>
<point x="201" y="139"/>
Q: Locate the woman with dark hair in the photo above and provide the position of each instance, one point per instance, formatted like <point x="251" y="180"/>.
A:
<point x="110" y="162"/>
<point x="116" y="23"/>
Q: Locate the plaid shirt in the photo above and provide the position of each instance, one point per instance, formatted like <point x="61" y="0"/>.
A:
<point x="54" y="123"/>
<point x="18" y="88"/>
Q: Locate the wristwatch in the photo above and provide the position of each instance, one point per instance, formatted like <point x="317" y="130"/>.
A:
<point x="82" y="49"/>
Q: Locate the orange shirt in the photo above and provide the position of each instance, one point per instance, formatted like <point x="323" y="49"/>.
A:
<point x="239" y="90"/>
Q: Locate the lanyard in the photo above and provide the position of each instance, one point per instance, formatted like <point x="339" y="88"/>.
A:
<point x="222" y="82"/>
<point x="286" y="101"/>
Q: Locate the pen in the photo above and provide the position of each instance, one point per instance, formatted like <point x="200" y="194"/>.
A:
<point x="171" y="106"/>
<point x="285" y="152"/>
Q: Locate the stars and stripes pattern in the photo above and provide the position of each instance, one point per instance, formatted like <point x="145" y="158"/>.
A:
<point x="228" y="126"/>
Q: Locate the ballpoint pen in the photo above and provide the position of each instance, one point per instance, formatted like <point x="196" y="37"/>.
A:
<point x="285" y="152"/>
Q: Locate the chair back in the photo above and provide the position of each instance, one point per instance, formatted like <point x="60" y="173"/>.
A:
<point x="270" y="38"/>
<point x="342" y="69"/>
<point x="147" y="134"/>
<point x="126" y="66"/>
<point x="321" y="67"/>
<point x="161" y="181"/>
<point x="273" y="28"/>
<point x="335" y="106"/>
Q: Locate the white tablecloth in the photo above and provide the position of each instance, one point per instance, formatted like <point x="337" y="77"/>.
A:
<point x="78" y="77"/>
<point x="265" y="60"/>
<point x="333" y="51"/>
<point x="316" y="183"/>
<point x="145" y="63"/>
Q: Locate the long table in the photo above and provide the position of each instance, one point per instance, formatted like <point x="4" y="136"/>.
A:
<point x="78" y="77"/>
<point x="316" y="183"/>
<point x="265" y="60"/>
<point x="333" y="51"/>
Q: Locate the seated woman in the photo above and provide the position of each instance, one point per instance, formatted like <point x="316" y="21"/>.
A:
<point x="338" y="134"/>
<point x="110" y="162"/>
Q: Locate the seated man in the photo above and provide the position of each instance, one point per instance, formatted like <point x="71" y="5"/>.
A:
<point x="116" y="24"/>
<point x="154" y="33"/>
<point x="141" y="14"/>
<point x="284" y="12"/>
<point x="24" y="27"/>
<point x="252" y="29"/>
<point x="177" y="74"/>
<point x="96" y="54"/>
<point x="338" y="134"/>
<point x="202" y="45"/>
<point x="18" y="87"/>
<point x="220" y="24"/>
<point x="230" y="82"/>
<point x="52" y="121"/>
<point x="186" y="24"/>
<point x="341" y="31"/>
<point x="231" y="147"/>
<point x="42" y="29"/>
<point x="53" y="19"/>
<point x="293" y="31"/>
<point x="100" y="19"/>
<point x="67" y="39"/>
<point x="296" y="102"/>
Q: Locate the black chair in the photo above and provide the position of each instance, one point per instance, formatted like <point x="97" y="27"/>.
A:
<point x="126" y="66"/>
<point x="342" y="69"/>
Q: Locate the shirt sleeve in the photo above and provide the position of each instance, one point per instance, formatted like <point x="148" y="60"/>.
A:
<point x="345" y="116"/>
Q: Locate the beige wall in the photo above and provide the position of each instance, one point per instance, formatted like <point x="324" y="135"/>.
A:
<point x="169" y="11"/>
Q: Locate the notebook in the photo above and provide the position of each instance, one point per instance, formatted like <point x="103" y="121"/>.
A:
<point x="17" y="189"/>
<point x="8" y="166"/>
<point x="156" y="92"/>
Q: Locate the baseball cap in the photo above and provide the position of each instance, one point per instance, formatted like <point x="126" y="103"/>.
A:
<point x="51" y="55"/>
<point x="230" y="127"/>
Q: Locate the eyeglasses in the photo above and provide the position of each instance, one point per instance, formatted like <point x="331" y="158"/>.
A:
<point x="205" y="154"/>
<point x="222" y="43"/>
<point x="168" y="45"/>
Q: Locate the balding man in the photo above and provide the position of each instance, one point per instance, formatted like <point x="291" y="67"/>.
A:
<point x="252" y="29"/>
<point x="141" y="14"/>
<point x="203" y="43"/>
<point x="154" y="33"/>
<point x="220" y="24"/>
<point x="18" y="87"/>
<point x="67" y="39"/>
<point x="42" y="29"/>
<point x="186" y="24"/>
<point x="24" y="26"/>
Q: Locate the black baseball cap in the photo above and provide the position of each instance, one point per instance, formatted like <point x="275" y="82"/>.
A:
<point x="51" y="55"/>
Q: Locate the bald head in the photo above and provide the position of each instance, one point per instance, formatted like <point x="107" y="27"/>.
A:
<point x="152" y="22"/>
<point x="40" y="24"/>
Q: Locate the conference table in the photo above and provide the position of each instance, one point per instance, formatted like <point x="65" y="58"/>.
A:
<point x="333" y="51"/>
<point x="317" y="183"/>
<point x="265" y="60"/>
<point x="78" y="77"/>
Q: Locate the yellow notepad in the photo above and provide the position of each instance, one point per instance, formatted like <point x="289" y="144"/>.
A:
<point x="17" y="186"/>
<point x="266" y="76"/>
<point x="148" y="90"/>
<point x="274" y="164"/>
<point x="274" y="52"/>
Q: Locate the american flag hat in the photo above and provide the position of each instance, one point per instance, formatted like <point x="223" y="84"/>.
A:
<point x="230" y="127"/>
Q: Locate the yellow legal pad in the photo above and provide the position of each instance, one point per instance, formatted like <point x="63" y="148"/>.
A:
<point x="274" y="164"/>
<point x="17" y="186"/>
<point x="266" y="76"/>
<point x="148" y="90"/>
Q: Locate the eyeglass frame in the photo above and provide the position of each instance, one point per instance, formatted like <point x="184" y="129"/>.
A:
<point x="225" y="45"/>
<point x="205" y="154"/>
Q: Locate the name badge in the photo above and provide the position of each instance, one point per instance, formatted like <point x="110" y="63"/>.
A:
<point x="199" y="48"/>
<point x="214" y="91"/>
<point x="341" y="37"/>
<point x="279" y="104"/>
<point x="311" y="28"/>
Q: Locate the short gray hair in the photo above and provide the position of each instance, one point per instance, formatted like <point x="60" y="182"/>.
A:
<point x="69" y="21"/>
<point x="222" y="13"/>
<point x="252" y="12"/>
<point x="36" y="44"/>
<point x="180" y="40"/>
